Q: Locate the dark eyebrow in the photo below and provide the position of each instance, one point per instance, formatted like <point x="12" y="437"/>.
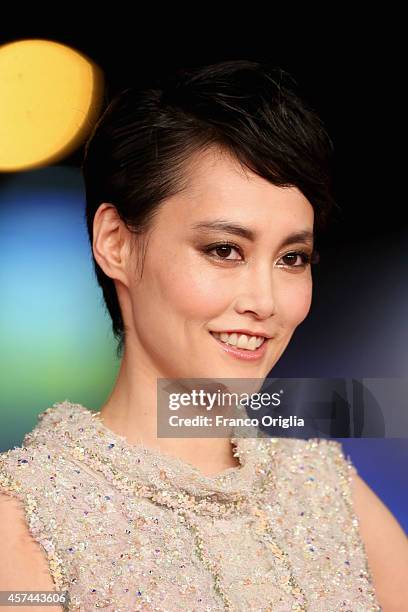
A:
<point x="220" y="225"/>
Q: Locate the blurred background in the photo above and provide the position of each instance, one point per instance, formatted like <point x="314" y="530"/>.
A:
<point x="55" y="336"/>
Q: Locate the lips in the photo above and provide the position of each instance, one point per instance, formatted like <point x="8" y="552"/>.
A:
<point x="241" y="341"/>
<point x="247" y="332"/>
<point x="242" y="354"/>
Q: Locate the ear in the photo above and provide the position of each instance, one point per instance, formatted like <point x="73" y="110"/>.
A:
<point x="111" y="243"/>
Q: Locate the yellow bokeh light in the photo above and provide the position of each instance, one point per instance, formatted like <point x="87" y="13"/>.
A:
<point x="50" y="98"/>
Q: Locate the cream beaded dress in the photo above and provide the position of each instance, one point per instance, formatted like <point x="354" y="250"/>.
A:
<point x="126" y="527"/>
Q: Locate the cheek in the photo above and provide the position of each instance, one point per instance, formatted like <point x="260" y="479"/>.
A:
<point x="294" y="302"/>
<point x="197" y="293"/>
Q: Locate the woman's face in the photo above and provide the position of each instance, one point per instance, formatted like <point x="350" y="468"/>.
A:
<point x="194" y="284"/>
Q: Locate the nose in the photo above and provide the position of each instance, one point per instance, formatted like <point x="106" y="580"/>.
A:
<point x="255" y="294"/>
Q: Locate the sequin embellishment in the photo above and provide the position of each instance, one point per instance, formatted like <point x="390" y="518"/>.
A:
<point x="128" y="528"/>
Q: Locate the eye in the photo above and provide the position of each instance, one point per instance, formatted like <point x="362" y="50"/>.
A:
<point x="291" y="258"/>
<point x="223" y="250"/>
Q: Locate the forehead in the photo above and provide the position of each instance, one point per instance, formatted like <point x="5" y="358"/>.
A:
<point x="218" y="186"/>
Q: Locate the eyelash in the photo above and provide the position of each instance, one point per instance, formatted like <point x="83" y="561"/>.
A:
<point x="307" y="258"/>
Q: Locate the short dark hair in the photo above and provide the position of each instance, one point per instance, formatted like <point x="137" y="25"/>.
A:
<point x="138" y="151"/>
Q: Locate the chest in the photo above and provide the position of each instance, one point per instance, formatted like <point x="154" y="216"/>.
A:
<point x="133" y="554"/>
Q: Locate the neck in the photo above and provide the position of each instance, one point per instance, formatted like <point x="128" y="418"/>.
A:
<point x="131" y="411"/>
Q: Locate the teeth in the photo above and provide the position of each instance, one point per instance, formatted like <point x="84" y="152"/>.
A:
<point x="250" y="343"/>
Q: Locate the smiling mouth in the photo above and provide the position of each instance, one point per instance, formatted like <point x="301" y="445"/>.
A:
<point x="240" y="341"/>
<point x="241" y="346"/>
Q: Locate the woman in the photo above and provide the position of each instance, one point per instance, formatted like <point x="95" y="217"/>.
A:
<point x="204" y="195"/>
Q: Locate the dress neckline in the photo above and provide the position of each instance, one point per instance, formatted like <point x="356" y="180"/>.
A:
<point x="148" y="471"/>
<point x="157" y="455"/>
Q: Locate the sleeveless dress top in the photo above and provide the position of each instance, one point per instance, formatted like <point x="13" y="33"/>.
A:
<point x="126" y="527"/>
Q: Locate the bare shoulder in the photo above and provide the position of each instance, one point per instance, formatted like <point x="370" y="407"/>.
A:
<point x="23" y="562"/>
<point x="386" y="546"/>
